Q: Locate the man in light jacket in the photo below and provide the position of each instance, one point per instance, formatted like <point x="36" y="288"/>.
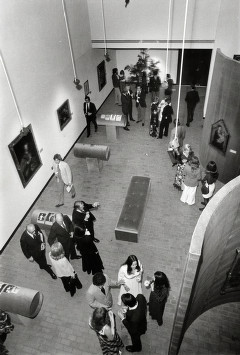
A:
<point x="64" y="178"/>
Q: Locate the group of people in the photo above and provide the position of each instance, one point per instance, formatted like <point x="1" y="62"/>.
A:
<point x="124" y="96"/>
<point x="132" y="303"/>
<point x="65" y="238"/>
<point x="189" y="175"/>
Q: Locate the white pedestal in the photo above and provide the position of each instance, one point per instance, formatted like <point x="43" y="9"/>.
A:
<point x="112" y="133"/>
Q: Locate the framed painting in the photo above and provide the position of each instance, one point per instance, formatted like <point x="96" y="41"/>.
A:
<point x="25" y="155"/>
<point x="86" y="88"/>
<point x="219" y="136"/>
<point x="101" y="72"/>
<point x="64" y="114"/>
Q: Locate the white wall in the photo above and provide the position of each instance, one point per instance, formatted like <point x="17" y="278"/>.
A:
<point x="125" y="57"/>
<point x="147" y="21"/>
<point x="35" y="50"/>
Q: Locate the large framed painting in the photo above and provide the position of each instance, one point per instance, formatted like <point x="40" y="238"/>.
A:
<point x="25" y="155"/>
<point x="64" y="114"/>
<point x="219" y="136"/>
<point x="101" y="72"/>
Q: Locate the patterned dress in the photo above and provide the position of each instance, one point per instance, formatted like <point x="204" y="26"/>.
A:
<point x="110" y="347"/>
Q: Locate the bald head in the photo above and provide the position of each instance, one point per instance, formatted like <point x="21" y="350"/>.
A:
<point x="30" y="228"/>
<point x="59" y="218"/>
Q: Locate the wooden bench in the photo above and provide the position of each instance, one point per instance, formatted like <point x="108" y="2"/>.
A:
<point x="130" y="221"/>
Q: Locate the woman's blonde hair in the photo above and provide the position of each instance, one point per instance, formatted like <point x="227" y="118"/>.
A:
<point x="57" y="251"/>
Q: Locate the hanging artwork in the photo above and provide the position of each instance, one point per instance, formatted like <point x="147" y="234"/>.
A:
<point x="25" y="155"/>
<point x="64" y="114"/>
<point x="101" y="72"/>
<point x="86" y="88"/>
<point x="219" y="136"/>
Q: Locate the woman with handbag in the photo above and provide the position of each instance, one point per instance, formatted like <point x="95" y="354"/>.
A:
<point x="208" y="183"/>
<point x="63" y="269"/>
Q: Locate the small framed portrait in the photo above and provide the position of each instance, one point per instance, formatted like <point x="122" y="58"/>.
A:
<point x="101" y="72"/>
<point x="64" y="114"/>
<point x="25" y="155"/>
<point x="86" y="88"/>
<point x="219" y="136"/>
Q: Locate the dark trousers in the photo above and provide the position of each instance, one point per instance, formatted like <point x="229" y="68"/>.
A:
<point x="127" y="115"/>
<point x="136" y="342"/>
<point x="42" y="262"/>
<point x="190" y="113"/>
<point x="163" y="127"/>
<point x="90" y="119"/>
<point x="72" y="251"/>
<point x="70" y="284"/>
<point x="130" y="111"/>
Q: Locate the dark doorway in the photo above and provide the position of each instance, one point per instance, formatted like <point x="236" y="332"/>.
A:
<point x="196" y="63"/>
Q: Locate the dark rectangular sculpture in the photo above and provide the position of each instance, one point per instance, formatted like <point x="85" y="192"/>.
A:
<point x="130" y="221"/>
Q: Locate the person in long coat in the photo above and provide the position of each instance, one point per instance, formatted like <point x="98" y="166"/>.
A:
<point x="91" y="260"/>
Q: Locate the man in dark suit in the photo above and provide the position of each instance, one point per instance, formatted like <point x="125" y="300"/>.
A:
<point x="130" y="96"/>
<point x="62" y="231"/>
<point x="126" y="107"/>
<point x="192" y="98"/>
<point x="165" y="118"/>
<point x="155" y="84"/>
<point x="141" y="105"/>
<point x="135" y="319"/>
<point x="34" y="248"/>
<point x="89" y="110"/>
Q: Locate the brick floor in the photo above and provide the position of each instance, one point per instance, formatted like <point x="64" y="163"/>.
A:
<point x="61" y="328"/>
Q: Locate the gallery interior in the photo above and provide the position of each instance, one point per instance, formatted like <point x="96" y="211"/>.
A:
<point x="53" y="53"/>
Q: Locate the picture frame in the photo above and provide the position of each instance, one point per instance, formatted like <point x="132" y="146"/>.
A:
<point x="101" y="72"/>
<point x="219" y="136"/>
<point x="86" y="88"/>
<point x="25" y="155"/>
<point x="64" y="114"/>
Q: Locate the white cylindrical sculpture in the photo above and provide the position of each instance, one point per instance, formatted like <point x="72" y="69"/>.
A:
<point x="101" y="152"/>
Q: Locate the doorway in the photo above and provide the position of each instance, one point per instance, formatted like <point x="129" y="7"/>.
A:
<point x="196" y="63"/>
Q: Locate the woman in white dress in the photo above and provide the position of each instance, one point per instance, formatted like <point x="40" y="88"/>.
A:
<point x="131" y="272"/>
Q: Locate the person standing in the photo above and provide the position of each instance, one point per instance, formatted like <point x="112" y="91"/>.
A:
<point x="155" y="84"/>
<point x="141" y="105"/>
<point x="122" y="79"/>
<point x="192" y="98"/>
<point x="165" y="118"/>
<point x="131" y="272"/>
<point x="64" y="178"/>
<point x="116" y="85"/>
<point x="160" y="288"/>
<point x="134" y="319"/>
<point x="91" y="260"/>
<point x="83" y="217"/>
<point x="192" y="175"/>
<point x="64" y="269"/>
<point x="62" y="232"/>
<point x="181" y="133"/>
<point x="126" y="107"/>
<point x="34" y="247"/>
<point x="130" y="97"/>
<point x="99" y="293"/>
<point x="89" y="110"/>
<point x="6" y="327"/>
<point x="208" y="183"/>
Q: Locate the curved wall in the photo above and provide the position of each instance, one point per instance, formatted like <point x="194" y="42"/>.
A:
<point x="223" y="103"/>
<point x="211" y="254"/>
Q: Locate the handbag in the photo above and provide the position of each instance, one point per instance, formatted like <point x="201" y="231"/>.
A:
<point x="205" y="188"/>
